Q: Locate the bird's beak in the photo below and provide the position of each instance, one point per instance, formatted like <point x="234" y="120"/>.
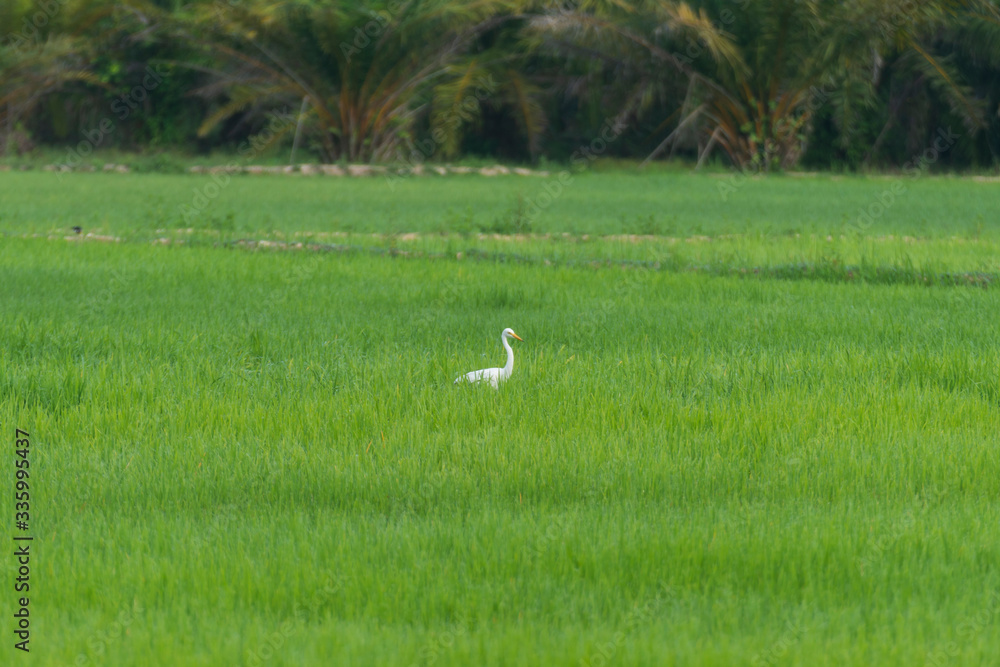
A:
<point x="516" y="336"/>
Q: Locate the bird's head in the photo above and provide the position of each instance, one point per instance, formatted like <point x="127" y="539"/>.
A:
<point x="510" y="332"/>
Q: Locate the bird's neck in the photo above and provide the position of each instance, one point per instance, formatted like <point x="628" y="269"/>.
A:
<point x="509" y="367"/>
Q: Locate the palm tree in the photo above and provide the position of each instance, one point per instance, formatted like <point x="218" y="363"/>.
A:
<point x="38" y="58"/>
<point x="359" y="70"/>
<point x="635" y="58"/>
<point x="894" y="53"/>
<point x="757" y="70"/>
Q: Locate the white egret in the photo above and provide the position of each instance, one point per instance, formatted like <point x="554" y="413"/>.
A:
<point x="495" y="375"/>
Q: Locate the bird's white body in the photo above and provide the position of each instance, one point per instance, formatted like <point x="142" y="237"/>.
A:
<point x="494" y="375"/>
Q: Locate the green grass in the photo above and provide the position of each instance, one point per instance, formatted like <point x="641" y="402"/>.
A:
<point x="619" y="202"/>
<point x="249" y="456"/>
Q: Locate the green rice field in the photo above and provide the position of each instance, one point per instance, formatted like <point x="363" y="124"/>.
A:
<point x="742" y="428"/>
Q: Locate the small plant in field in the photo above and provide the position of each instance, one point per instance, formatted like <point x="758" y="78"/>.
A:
<point x="226" y="223"/>
<point x="514" y="220"/>
<point x="643" y="225"/>
<point x="462" y="223"/>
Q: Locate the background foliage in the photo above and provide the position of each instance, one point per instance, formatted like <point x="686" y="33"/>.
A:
<point x="759" y="84"/>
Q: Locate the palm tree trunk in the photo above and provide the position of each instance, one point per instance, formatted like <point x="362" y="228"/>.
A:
<point x="708" y="149"/>
<point x="298" y="130"/>
<point x="10" y="128"/>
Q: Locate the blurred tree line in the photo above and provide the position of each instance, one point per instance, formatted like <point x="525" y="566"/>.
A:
<point x="759" y="84"/>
